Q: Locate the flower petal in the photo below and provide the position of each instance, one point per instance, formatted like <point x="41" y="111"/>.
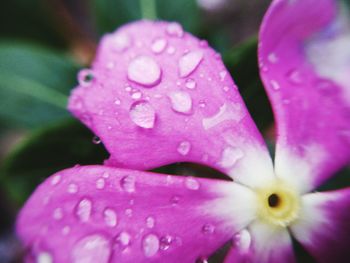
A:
<point x="304" y="59"/>
<point x="101" y="214"/>
<point x="323" y="227"/>
<point x="159" y="95"/>
<point x="266" y="244"/>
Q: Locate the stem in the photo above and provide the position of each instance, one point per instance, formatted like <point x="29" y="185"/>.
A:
<point x="148" y="9"/>
<point x="33" y="89"/>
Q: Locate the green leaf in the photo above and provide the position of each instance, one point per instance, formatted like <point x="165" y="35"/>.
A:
<point x="242" y="63"/>
<point x="46" y="151"/>
<point x="29" y="19"/>
<point x="34" y="84"/>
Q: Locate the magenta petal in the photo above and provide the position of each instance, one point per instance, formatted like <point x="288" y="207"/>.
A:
<point x="304" y="56"/>
<point x="160" y="95"/>
<point x="324" y="225"/>
<point x="100" y="214"/>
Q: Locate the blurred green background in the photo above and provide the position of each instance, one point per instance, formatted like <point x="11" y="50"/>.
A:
<point x="42" y="46"/>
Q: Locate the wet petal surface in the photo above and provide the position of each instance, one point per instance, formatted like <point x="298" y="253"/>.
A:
<point x="304" y="59"/>
<point x="323" y="227"/>
<point x="156" y="87"/>
<point x="132" y="217"/>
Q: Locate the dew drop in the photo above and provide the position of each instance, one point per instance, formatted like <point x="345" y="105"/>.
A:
<point x="230" y="156"/>
<point x="83" y="210"/>
<point x="222" y="75"/>
<point x="175" y="200"/>
<point x="189" y="62"/>
<point x="136" y="95"/>
<point x="272" y="58"/>
<point x="202" y="260"/>
<point x="150" y="221"/>
<point x="91" y="249"/>
<point x="57" y="214"/>
<point x="159" y="45"/>
<point x="190" y="84"/>
<point x="120" y="42"/>
<point x="208" y="229"/>
<point x="171" y="50"/>
<point x="181" y="101"/>
<point x="165" y="242"/>
<point x="123" y="240"/>
<point x="100" y="183"/>
<point x="144" y="70"/>
<point x="294" y="77"/>
<point x="242" y="240"/>
<point x="66" y="230"/>
<point x="128" y="212"/>
<point x="110" y="217"/>
<point x="127" y="183"/>
<point x="192" y="183"/>
<point x="105" y="175"/>
<point x="175" y="29"/>
<point x="150" y="245"/>
<point x="72" y="188"/>
<point x="184" y="148"/>
<point x="275" y="85"/>
<point x="44" y="257"/>
<point x="143" y="114"/>
<point x="85" y="77"/>
<point x="96" y="140"/>
<point x="56" y="179"/>
<point x="117" y="102"/>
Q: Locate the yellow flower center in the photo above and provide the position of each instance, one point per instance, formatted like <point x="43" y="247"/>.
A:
<point x="279" y="204"/>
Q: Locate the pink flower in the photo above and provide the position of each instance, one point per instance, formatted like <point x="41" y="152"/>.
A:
<point x="157" y="95"/>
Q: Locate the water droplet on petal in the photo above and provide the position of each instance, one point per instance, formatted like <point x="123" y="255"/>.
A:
<point x="144" y="70"/>
<point x="159" y="45"/>
<point x="171" y="50"/>
<point x="150" y="245"/>
<point x="189" y="62"/>
<point x="83" y="210"/>
<point x="192" y="183"/>
<point x="191" y="84"/>
<point x="143" y="114"/>
<point x="100" y="183"/>
<point x="58" y="213"/>
<point x="96" y="140"/>
<point x="242" y="240"/>
<point x="184" y="148"/>
<point x="275" y="85"/>
<point x="181" y="101"/>
<point x="105" y="175"/>
<point x="128" y="212"/>
<point x="123" y="240"/>
<point x="128" y="183"/>
<point x="175" y="29"/>
<point x="136" y="95"/>
<point x="208" y="229"/>
<point x="72" y="188"/>
<point x="117" y="101"/>
<point x="110" y="217"/>
<point x="174" y="200"/>
<point x="230" y="156"/>
<point x="120" y="42"/>
<point x="165" y="242"/>
<point x="44" y="257"/>
<point x="85" y="77"/>
<point x="91" y="249"/>
<point x="272" y="58"/>
<point x="294" y="77"/>
<point x="56" y="179"/>
<point x="150" y="221"/>
<point x="202" y="260"/>
<point x="66" y="230"/>
<point x="222" y="75"/>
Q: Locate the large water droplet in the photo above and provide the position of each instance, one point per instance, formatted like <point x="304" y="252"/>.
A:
<point x="83" y="210"/>
<point x="44" y="257"/>
<point x="143" y="114"/>
<point x="91" y="249"/>
<point x="242" y="240"/>
<point x="175" y="29"/>
<point x="128" y="183"/>
<point x="120" y="42"/>
<point x="230" y="156"/>
<point x="192" y="183"/>
<point x="85" y="77"/>
<point x="150" y="221"/>
<point x="165" y="242"/>
<point x="189" y="62"/>
<point x="123" y="240"/>
<point x="110" y="217"/>
<point x="150" y="245"/>
<point x="159" y="45"/>
<point x="181" y="101"/>
<point x="144" y="70"/>
<point x="184" y="148"/>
